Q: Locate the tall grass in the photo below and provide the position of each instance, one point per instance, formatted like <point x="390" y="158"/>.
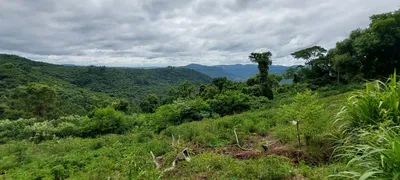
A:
<point x="376" y="157"/>
<point x="370" y="126"/>
<point x="379" y="102"/>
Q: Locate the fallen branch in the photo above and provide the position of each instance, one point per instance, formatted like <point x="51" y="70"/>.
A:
<point x="181" y="156"/>
<point x="184" y="155"/>
<point x="173" y="141"/>
<point x="237" y="141"/>
<point x="155" y="160"/>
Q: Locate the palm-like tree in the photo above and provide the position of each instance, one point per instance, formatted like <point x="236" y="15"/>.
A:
<point x="264" y="61"/>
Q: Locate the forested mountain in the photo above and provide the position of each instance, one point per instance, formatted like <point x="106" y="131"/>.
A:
<point x="236" y="72"/>
<point x="78" y="89"/>
<point x="118" y="82"/>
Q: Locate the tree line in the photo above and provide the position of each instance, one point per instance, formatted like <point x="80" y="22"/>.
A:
<point x="370" y="53"/>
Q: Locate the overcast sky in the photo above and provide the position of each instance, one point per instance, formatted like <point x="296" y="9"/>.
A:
<point x="176" y="32"/>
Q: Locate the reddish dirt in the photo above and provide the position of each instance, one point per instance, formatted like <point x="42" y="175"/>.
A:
<point x="240" y="153"/>
<point x="253" y="144"/>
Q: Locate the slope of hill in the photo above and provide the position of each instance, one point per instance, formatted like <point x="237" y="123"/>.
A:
<point x="77" y="90"/>
<point x="213" y="151"/>
<point x="118" y="82"/>
<point x="236" y="72"/>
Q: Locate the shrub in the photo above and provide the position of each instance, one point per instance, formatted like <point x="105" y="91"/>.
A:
<point x="230" y="102"/>
<point x="182" y="111"/>
<point x="14" y="129"/>
<point x="304" y="114"/>
<point x="150" y="103"/>
<point x="107" y="120"/>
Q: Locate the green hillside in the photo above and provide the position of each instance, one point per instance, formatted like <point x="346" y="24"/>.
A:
<point x="117" y="82"/>
<point x="78" y="90"/>
<point x="211" y="144"/>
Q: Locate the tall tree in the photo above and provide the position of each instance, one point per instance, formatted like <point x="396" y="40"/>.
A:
<point x="264" y="61"/>
<point x="309" y="54"/>
<point x="150" y="103"/>
<point x="34" y="99"/>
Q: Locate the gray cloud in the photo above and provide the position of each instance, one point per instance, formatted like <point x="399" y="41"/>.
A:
<point x="179" y="32"/>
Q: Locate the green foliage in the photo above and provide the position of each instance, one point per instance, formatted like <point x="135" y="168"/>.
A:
<point x="150" y="103"/>
<point x="309" y="54"/>
<point x="209" y="92"/>
<point x="61" y="152"/>
<point x="218" y="132"/>
<point x="274" y="80"/>
<point x="220" y="167"/>
<point x="185" y="90"/>
<point x="101" y="121"/>
<point x="369" y="132"/>
<point x="35" y="100"/>
<point x="252" y="81"/>
<point x="230" y="102"/>
<point x="222" y="83"/>
<point x="181" y="111"/>
<point x="379" y="102"/>
<point x="121" y="105"/>
<point x="13" y="129"/>
<point x="305" y="115"/>
<point x="264" y="61"/>
<point x="370" y="53"/>
<point x="79" y="90"/>
<point x="104" y="157"/>
<point x="107" y="120"/>
<point x="375" y="156"/>
<point x="60" y="122"/>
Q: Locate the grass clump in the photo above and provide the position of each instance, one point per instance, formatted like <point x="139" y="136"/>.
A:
<point x="369" y="125"/>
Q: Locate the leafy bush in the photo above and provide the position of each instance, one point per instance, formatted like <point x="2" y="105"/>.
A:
<point x="230" y="102"/>
<point x="107" y="120"/>
<point x="304" y="114"/>
<point x="182" y="111"/>
<point x="14" y="129"/>
<point x="150" y="103"/>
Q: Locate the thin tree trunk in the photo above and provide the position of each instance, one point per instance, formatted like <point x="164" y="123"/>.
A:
<point x="298" y="132"/>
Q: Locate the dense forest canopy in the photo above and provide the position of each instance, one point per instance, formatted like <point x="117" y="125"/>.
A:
<point x="78" y="90"/>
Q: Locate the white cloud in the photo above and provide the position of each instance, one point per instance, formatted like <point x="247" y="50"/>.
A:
<point x="179" y="32"/>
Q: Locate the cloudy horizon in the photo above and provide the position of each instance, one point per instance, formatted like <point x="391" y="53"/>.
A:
<point x="174" y="33"/>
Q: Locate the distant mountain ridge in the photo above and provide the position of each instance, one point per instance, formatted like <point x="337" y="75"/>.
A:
<point x="131" y="83"/>
<point x="236" y="72"/>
